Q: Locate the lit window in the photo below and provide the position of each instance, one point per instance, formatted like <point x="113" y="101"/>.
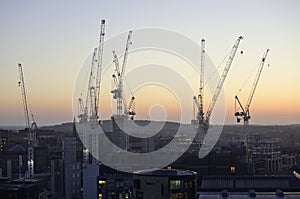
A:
<point x="176" y="184"/>
<point x="232" y="169"/>
<point x="102" y="183"/>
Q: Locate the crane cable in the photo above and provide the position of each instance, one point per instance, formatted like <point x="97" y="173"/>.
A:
<point x="216" y="70"/>
<point x="247" y="80"/>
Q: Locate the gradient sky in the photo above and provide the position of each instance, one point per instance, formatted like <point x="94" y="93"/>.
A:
<point x="53" y="38"/>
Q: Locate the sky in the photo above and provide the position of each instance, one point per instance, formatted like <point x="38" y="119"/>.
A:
<point x="52" y="39"/>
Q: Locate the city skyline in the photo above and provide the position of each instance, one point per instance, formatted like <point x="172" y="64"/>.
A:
<point x="52" y="40"/>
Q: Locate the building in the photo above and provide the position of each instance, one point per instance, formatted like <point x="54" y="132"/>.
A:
<point x="103" y="182"/>
<point x="22" y="189"/>
<point x="57" y="178"/>
<point x="248" y="187"/>
<point x="165" y="183"/>
<point x="90" y="177"/>
<point x="72" y="169"/>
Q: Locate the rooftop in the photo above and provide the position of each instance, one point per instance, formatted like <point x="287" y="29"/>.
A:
<point x="165" y="172"/>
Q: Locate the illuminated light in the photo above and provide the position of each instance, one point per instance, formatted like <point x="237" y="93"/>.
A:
<point x="297" y="175"/>
<point x="232" y="169"/>
<point x="169" y="168"/>
<point x="100" y="196"/>
<point x="101" y="183"/>
<point x="126" y="196"/>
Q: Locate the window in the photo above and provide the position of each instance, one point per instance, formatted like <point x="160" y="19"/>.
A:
<point x="102" y="183"/>
<point x="119" y="183"/>
<point x="176" y="184"/>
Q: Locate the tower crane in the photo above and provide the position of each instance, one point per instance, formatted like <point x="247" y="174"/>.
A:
<point x="203" y="119"/>
<point x="87" y="110"/>
<point x="118" y="78"/>
<point x="221" y="82"/>
<point x="90" y="110"/>
<point x="245" y="113"/>
<point x="30" y="135"/>
<point x="99" y="68"/>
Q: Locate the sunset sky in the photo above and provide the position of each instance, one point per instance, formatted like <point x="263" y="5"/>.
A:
<point x="52" y="39"/>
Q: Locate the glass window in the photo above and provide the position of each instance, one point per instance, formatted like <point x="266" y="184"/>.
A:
<point x="176" y="184"/>
<point x="102" y="183"/>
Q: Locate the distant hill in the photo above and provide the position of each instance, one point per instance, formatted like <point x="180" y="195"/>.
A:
<point x="64" y="127"/>
<point x="16" y="128"/>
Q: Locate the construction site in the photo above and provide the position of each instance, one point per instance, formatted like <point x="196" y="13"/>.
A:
<point x="63" y="161"/>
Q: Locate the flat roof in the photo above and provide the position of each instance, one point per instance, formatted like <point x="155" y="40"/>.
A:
<point x="166" y="172"/>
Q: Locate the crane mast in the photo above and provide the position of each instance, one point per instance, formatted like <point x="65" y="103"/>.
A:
<point x="91" y="95"/>
<point x="30" y="134"/>
<point x="245" y="114"/>
<point x="198" y="101"/>
<point x="221" y="82"/>
<point x="201" y="88"/>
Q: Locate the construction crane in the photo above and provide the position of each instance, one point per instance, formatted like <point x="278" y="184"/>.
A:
<point x="116" y="78"/>
<point x="199" y="101"/>
<point x="245" y="113"/>
<point x="203" y="120"/>
<point x="118" y="81"/>
<point x="30" y="134"/>
<point x="221" y="82"/>
<point x="99" y="68"/>
<point x="87" y="110"/>
<point x="90" y="110"/>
